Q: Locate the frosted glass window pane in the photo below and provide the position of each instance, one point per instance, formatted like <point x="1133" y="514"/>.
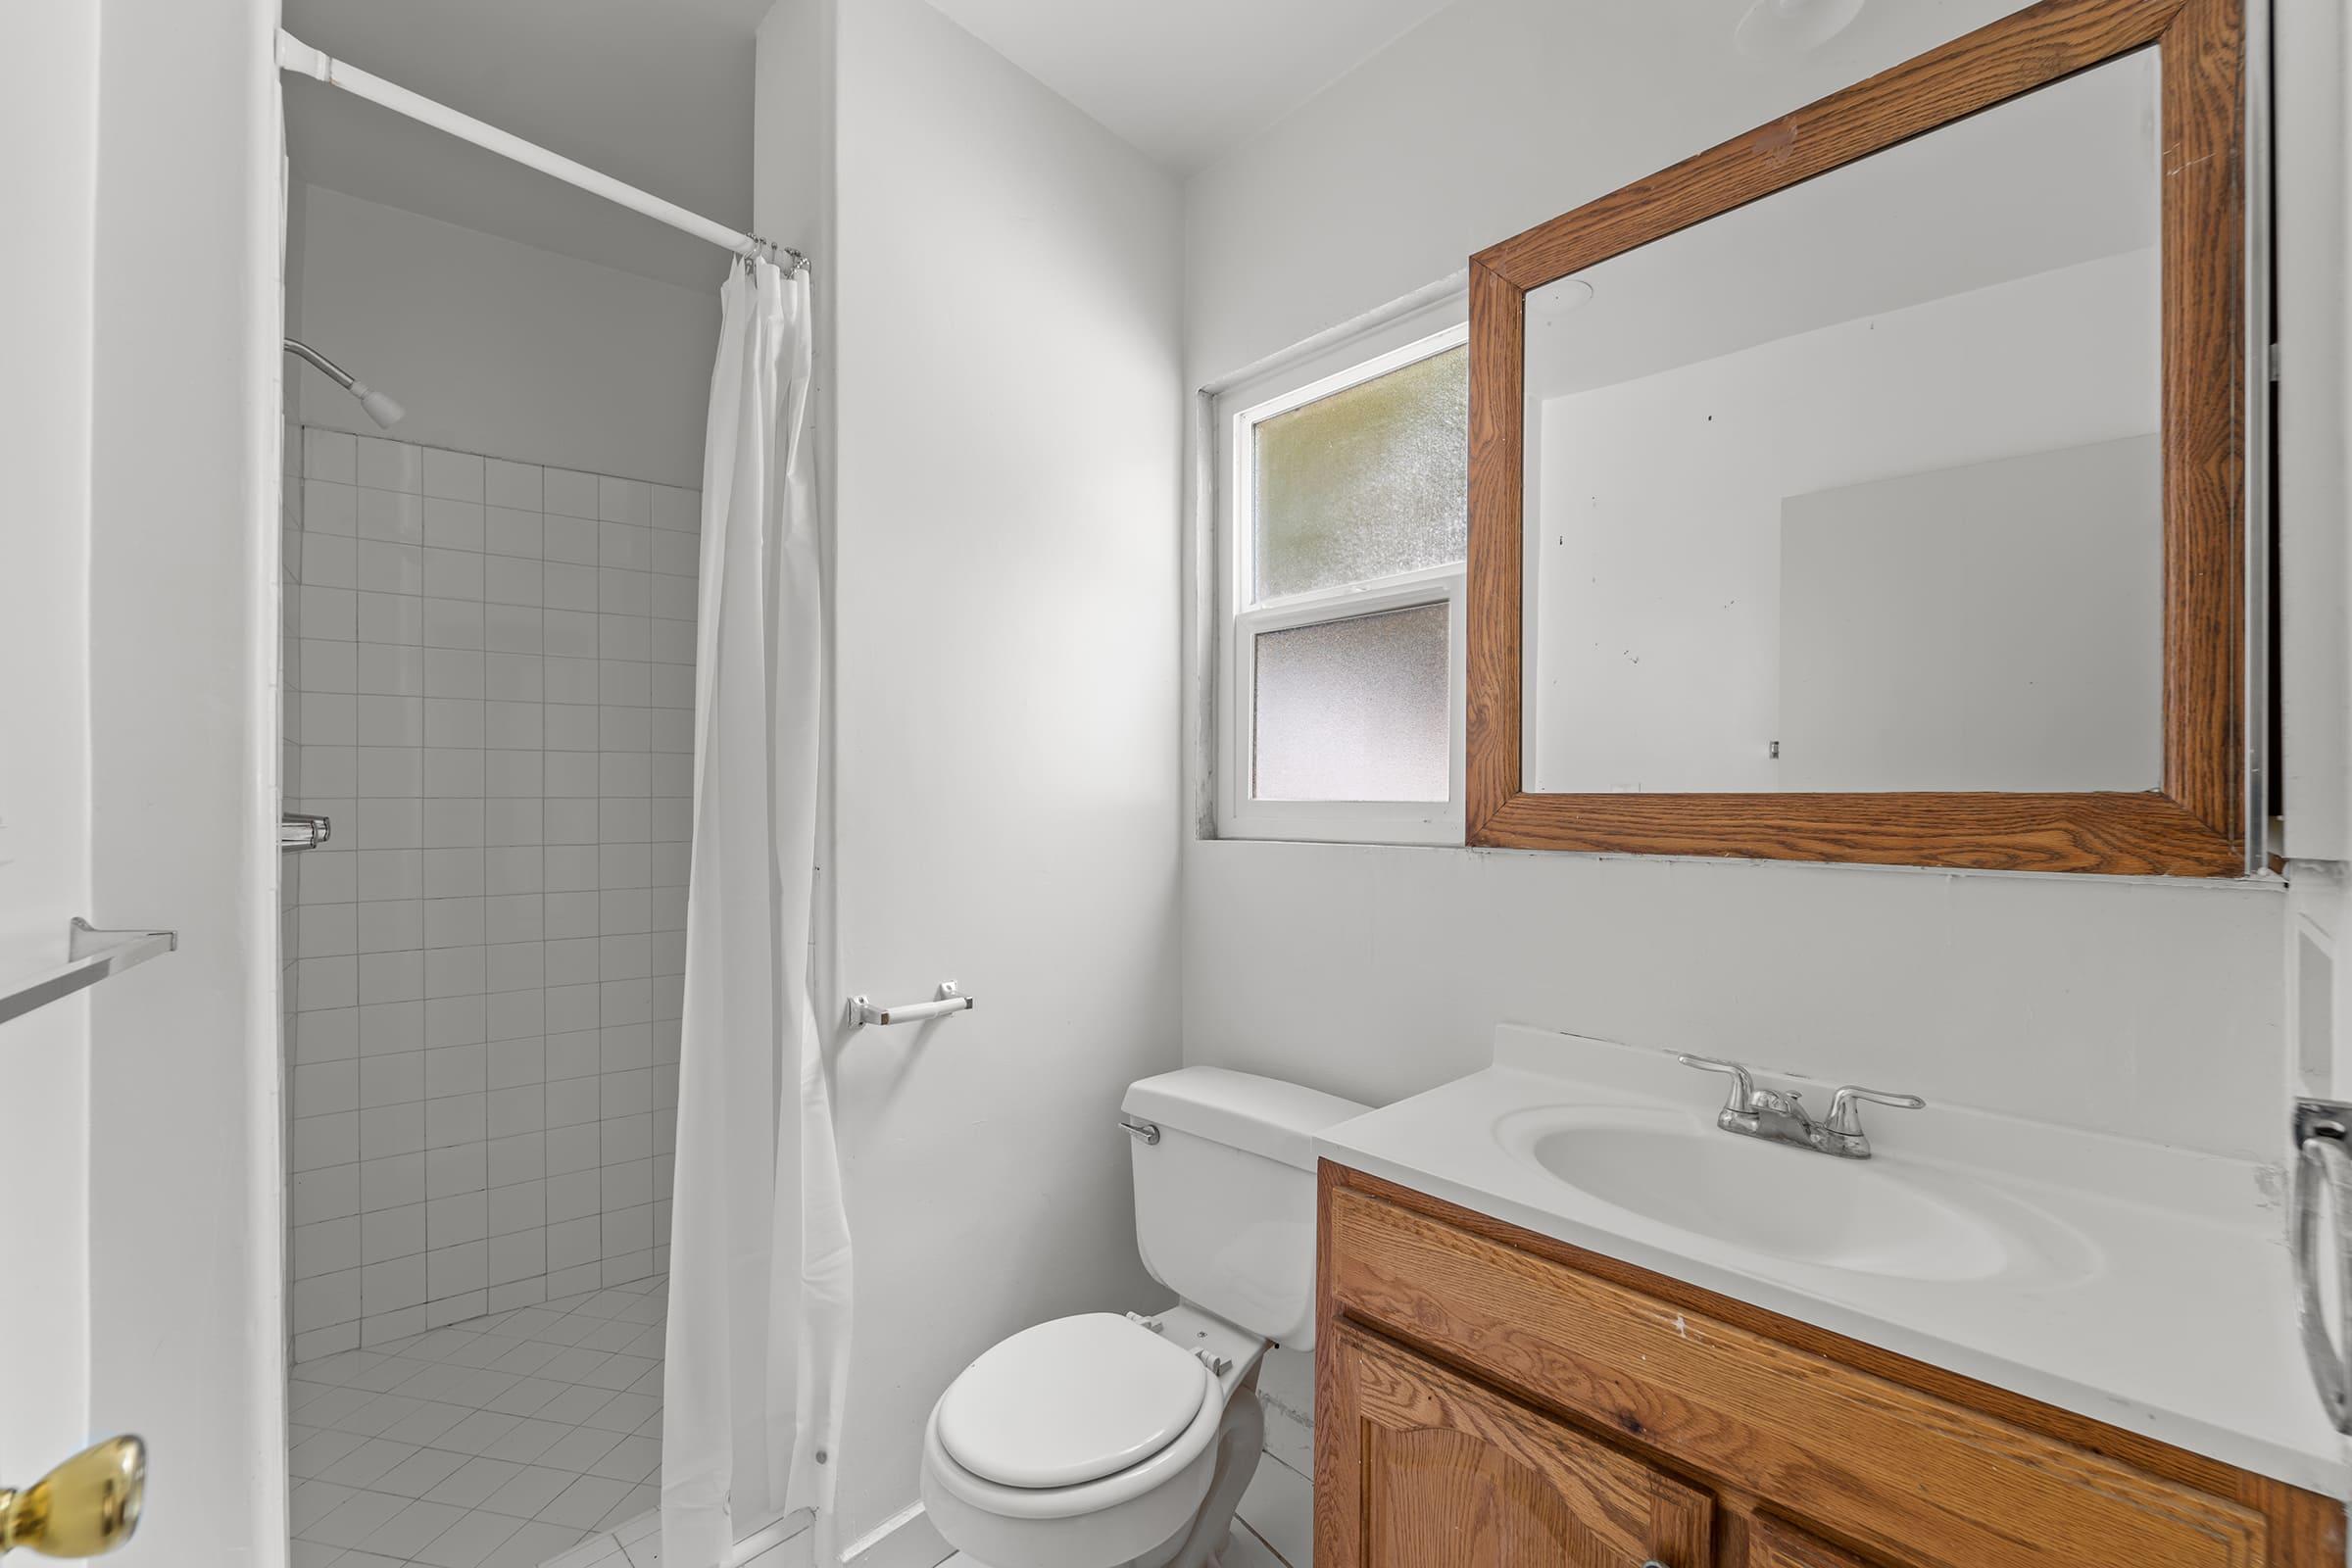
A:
<point x="1367" y="483"/>
<point x="1354" y="710"/>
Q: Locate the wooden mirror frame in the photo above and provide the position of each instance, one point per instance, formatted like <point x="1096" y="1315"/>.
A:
<point x="2196" y="823"/>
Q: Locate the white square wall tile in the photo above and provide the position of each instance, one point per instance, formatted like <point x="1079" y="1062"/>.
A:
<point x="383" y="464"/>
<point x="628" y="500"/>
<point x="514" y="581"/>
<point x="391" y="1181"/>
<point x="572" y="1150"/>
<point x="573" y="1243"/>
<point x="451" y="1270"/>
<point x="386" y="1233"/>
<point x="453" y="475"/>
<point x="317" y="1195"/>
<point x="573" y="495"/>
<point x="517" y="1159"/>
<point x="325" y="1299"/>
<point x="455" y="1171"/>
<point x="455" y="524"/>
<point x="675" y="509"/>
<point x="677" y="553"/>
<point x="569" y="539"/>
<point x="452" y="622"/>
<point x="575" y="1196"/>
<point x="452" y="573"/>
<point x="515" y="1210"/>
<point x="330" y="455"/>
<point x="513" y="628"/>
<point x="518" y="1254"/>
<point x="512" y="484"/>
<point x="388" y="515"/>
<point x="629" y="1229"/>
<point x="390" y="1286"/>
<point x="331" y="561"/>
<point x="508" y="531"/>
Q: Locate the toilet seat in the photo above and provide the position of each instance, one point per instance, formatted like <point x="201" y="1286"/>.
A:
<point x="1069" y="1401"/>
<point x="1128" y="1516"/>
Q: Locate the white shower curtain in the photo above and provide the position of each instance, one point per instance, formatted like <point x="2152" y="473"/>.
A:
<point x="759" y="1250"/>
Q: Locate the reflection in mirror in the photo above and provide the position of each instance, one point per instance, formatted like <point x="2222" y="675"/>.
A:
<point x="1857" y="487"/>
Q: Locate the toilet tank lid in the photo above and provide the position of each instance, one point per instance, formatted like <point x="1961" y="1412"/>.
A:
<point x="1243" y="1110"/>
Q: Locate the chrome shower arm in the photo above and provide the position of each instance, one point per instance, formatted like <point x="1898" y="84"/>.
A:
<point x="383" y="409"/>
<point x="341" y="377"/>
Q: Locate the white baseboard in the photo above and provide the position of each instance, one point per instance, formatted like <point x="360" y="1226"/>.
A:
<point x="781" y="1545"/>
<point x="908" y="1539"/>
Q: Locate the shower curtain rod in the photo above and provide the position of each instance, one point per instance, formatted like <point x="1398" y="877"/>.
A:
<point x="296" y="56"/>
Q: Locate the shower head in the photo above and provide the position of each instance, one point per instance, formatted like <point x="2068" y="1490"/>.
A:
<point x="381" y="408"/>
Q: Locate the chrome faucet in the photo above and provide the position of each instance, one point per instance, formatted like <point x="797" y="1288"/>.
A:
<point x="1779" y="1116"/>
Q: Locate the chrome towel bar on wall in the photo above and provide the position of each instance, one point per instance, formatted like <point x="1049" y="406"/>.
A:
<point x="91" y="955"/>
<point x="862" y="1012"/>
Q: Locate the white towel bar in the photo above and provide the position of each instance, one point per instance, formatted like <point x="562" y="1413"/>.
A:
<point x="950" y="1000"/>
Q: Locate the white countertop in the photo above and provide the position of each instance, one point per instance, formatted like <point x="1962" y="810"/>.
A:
<point x="2172" y="1317"/>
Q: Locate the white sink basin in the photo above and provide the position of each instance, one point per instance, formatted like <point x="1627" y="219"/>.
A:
<point x="1874" y="1216"/>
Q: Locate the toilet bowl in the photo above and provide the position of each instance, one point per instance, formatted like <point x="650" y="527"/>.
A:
<point x="1102" y="1440"/>
<point x="1126" y="1489"/>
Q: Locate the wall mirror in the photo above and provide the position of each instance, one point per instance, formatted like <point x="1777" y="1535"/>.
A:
<point x="1872" y="487"/>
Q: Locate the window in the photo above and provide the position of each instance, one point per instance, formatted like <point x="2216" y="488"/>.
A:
<point x="1344" y="524"/>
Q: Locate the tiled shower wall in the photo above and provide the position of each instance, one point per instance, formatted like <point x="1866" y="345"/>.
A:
<point x="494" y="673"/>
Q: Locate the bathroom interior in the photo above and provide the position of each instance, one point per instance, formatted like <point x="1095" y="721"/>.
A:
<point x="1009" y="783"/>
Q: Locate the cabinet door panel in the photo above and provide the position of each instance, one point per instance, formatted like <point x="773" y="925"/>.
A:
<point x="1427" y="1469"/>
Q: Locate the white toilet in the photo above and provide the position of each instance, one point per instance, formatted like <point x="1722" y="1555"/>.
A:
<point x="1100" y="1441"/>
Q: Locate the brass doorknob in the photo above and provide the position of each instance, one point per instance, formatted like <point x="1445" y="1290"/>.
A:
<point x="86" y="1505"/>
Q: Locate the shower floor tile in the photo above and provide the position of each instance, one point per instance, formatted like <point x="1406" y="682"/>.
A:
<point x="502" y="1442"/>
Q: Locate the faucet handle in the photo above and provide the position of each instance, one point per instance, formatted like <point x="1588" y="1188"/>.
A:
<point x="1744" y="1086"/>
<point x="1846" y="1118"/>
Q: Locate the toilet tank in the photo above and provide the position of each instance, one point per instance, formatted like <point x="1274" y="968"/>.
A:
<point x="1225" y="1199"/>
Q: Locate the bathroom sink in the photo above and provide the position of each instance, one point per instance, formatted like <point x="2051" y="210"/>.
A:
<point x="1875" y="1216"/>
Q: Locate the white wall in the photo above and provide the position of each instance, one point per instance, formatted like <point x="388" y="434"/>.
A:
<point x="185" y="1192"/>
<point x="499" y="348"/>
<point x="1492" y="115"/>
<point x="1001" y="378"/>
<point x="48" y="128"/>
<point x="2131" y="1008"/>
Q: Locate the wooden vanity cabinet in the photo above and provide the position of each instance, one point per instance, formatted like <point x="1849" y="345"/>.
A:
<point x="1491" y="1398"/>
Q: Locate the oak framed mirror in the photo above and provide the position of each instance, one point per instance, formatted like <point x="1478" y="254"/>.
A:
<point x="1874" y="487"/>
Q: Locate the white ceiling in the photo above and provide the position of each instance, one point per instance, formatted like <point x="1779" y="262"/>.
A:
<point x="658" y="93"/>
<point x="1185" y="83"/>
<point x="655" y="92"/>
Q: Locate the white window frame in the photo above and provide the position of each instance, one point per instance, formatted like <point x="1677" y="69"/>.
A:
<point x="1235" y="414"/>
